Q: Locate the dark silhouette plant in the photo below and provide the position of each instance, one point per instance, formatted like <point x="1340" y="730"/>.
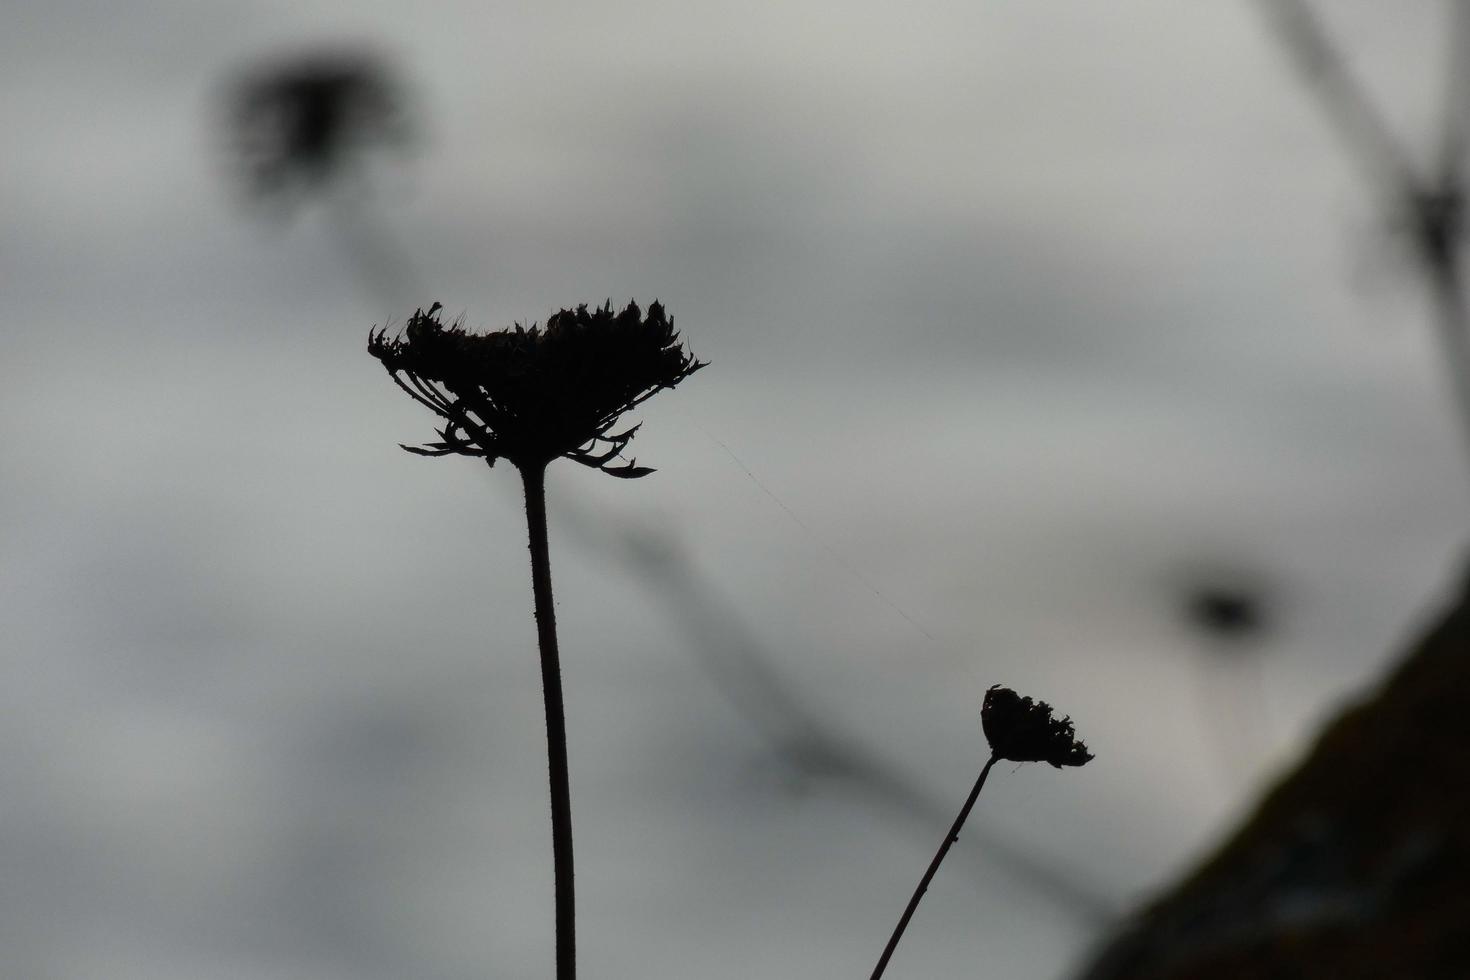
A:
<point x="1019" y="730"/>
<point x="530" y="395"/>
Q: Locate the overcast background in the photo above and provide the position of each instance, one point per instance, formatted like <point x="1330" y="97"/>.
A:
<point x="1021" y="317"/>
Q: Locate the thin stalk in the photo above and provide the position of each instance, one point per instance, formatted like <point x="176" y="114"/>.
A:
<point x="534" y="478"/>
<point x="954" y="835"/>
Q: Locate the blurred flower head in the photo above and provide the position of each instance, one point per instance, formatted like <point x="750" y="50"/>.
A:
<point x="531" y="394"/>
<point x="1233" y="605"/>
<point x="301" y="123"/>
<point x="1023" y="730"/>
<point x="1226" y="613"/>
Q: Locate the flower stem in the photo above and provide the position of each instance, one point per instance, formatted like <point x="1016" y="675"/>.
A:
<point x="534" y="478"/>
<point x="954" y="835"/>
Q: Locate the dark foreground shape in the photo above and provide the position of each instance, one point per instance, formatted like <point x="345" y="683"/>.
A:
<point x="1356" y="866"/>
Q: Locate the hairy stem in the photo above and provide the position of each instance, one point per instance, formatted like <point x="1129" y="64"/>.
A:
<point x="954" y="835"/>
<point x="534" y="478"/>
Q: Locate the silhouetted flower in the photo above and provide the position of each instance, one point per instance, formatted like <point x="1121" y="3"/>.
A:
<point x="1023" y="730"/>
<point x="531" y="394"/>
<point x="1020" y="730"/>
<point x="296" y="124"/>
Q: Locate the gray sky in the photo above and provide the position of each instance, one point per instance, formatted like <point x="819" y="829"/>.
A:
<point x="1023" y="310"/>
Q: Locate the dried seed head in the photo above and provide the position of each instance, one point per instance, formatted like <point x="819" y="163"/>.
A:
<point x="1023" y="730"/>
<point x="299" y="123"/>
<point x="531" y="394"/>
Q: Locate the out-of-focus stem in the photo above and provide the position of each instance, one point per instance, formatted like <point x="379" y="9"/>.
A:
<point x="1454" y="333"/>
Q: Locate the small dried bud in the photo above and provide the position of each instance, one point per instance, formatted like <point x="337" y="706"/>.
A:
<point x="1023" y="730"/>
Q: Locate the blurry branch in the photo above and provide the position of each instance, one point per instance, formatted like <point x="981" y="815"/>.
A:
<point x="743" y="671"/>
<point x="1433" y="203"/>
<point x="381" y="261"/>
<point x="1344" y="101"/>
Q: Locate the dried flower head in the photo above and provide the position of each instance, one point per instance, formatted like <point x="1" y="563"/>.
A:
<point x="531" y="394"/>
<point x="1023" y="730"/>
<point x="299" y="123"/>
